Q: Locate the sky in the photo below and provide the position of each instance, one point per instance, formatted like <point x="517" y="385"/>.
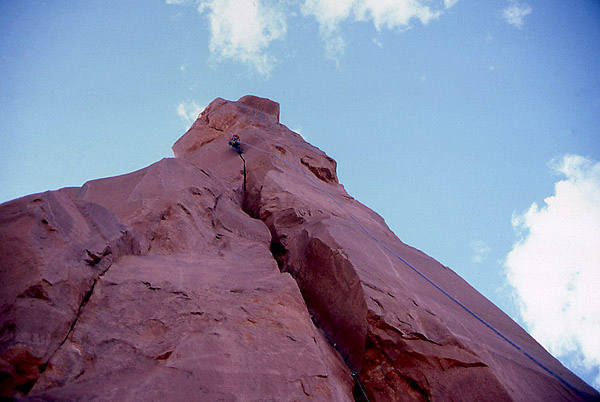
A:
<point x="472" y="127"/>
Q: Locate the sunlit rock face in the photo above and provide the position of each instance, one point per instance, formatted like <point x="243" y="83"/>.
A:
<point x="179" y="282"/>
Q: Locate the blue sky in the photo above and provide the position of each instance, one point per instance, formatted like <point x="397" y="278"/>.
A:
<point x="471" y="126"/>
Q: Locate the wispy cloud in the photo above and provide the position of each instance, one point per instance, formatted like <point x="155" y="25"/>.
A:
<point x="516" y="12"/>
<point x="244" y="30"/>
<point x="383" y="14"/>
<point x="329" y="14"/>
<point x="394" y="14"/>
<point x="480" y="251"/>
<point x="377" y="42"/>
<point x="555" y="265"/>
<point x="189" y="111"/>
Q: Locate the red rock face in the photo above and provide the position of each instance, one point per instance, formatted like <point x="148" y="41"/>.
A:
<point x="173" y="283"/>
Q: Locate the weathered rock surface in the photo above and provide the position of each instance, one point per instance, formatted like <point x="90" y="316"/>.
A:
<point x="172" y="283"/>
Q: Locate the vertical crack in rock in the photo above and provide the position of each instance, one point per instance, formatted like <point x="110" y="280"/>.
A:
<point x="102" y="262"/>
<point x="60" y="245"/>
<point x="303" y="245"/>
<point x="279" y="252"/>
<point x="323" y="273"/>
<point x="84" y="301"/>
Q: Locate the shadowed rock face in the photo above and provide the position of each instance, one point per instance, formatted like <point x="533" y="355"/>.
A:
<point x="173" y="283"/>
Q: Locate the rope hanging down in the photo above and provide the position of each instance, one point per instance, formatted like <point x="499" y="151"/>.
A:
<point x="421" y="274"/>
<point x="358" y="384"/>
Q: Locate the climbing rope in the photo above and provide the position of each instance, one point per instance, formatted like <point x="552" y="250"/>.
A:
<point x="360" y="387"/>
<point x="421" y="274"/>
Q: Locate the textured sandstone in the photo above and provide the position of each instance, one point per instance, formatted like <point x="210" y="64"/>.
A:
<point x="172" y="283"/>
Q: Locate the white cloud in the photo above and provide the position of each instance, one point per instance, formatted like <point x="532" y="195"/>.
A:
<point x="449" y="3"/>
<point x="390" y="14"/>
<point x="515" y="12"/>
<point x="329" y="14"/>
<point x="189" y="111"/>
<point x="480" y="251"/>
<point x="394" y="13"/>
<point x="242" y="30"/>
<point x="555" y="266"/>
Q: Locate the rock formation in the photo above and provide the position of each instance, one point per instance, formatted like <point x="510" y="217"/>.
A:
<point x="173" y="283"/>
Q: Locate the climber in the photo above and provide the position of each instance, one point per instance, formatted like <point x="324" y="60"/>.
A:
<point x="237" y="147"/>
<point x="235" y="144"/>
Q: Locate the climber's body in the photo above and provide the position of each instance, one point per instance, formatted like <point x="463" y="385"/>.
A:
<point x="237" y="147"/>
<point x="235" y="144"/>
